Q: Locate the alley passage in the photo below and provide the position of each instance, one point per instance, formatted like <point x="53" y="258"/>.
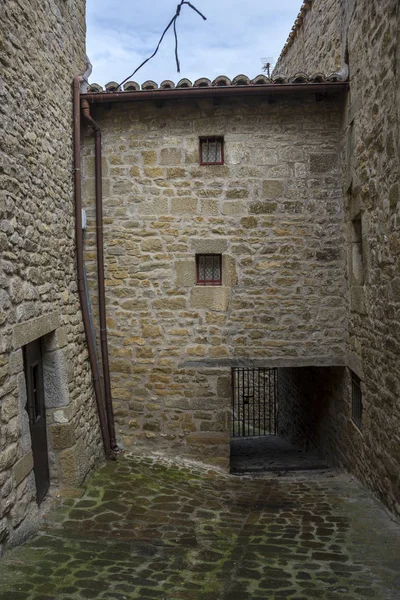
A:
<point x="147" y="529"/>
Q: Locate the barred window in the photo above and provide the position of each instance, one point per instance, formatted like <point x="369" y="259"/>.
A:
<point x="208" y="269"/>
<point x="211" y="151"/>
<point x="356" y="400"/>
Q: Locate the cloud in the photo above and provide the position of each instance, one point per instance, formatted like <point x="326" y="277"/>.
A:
<point x="234" y="39"/>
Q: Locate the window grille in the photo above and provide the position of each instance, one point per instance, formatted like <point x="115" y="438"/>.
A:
<point x="208" y="269"/>
<point x="356" y="400"/>
<point x="212" y="151"/>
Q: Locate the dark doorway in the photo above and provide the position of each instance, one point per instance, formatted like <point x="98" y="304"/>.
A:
<point x="278" y="418"/>
<point x="35" y="407"/>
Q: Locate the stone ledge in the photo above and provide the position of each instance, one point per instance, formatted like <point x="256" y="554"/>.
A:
<point x="208" y="438"/>
<point x="281" y="361"/>
<point x="209" y="245"/>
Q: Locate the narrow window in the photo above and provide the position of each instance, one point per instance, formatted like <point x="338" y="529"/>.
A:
<point x="357" y="258"/>
<point x="211" y="151"/>
<point x="208" y="269"/>
<point x="356" y="400"/>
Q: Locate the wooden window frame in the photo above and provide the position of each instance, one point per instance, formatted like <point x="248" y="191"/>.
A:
<point x="211" y="282"/>
<point x="214" y="138"/>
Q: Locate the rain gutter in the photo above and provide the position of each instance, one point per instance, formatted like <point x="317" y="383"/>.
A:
<point x="270" y="89"/>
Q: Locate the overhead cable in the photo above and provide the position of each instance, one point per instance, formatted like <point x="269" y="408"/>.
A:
<point x="172" y="22"/>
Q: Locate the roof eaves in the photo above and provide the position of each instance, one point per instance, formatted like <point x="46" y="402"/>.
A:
<point x="222" y="85"/>
<point x="297" y="85"/>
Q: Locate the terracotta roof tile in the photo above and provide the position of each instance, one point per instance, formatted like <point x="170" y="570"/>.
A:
<point x="220" y="81"/>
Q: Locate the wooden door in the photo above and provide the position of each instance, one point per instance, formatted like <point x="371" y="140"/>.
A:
<point x="37" y="416"/>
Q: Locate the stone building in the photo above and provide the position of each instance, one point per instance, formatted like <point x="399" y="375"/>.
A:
<point x="247" y="225"/>
<point x="42" y="47"/>
<point x="365" y="37"/>
<point x="296" y="224"/>
<point x="270" y="214"/>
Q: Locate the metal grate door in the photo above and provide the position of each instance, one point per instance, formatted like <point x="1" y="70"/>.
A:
<point x="254" y="401"/>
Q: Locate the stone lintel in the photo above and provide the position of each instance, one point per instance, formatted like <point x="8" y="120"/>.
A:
<point x="23" y="467"/>
<point x="55" y="341"/>
<point x="209" y="245"/>
<point x="31" y="330"/>
<point x="278" y="361"/>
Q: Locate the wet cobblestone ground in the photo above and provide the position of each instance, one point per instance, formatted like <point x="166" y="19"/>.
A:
<point x="271" y="453"/>
<point x="147" y="529"/>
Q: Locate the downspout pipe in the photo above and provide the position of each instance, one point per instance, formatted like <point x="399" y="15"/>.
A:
<point x="80" y="269"/>
<point x="100" y="272"/>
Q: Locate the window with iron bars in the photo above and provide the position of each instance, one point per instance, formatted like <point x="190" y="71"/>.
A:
<point x="208" y="269"/>
<point x="356" y="401"/>
<point x="211" y="151"/>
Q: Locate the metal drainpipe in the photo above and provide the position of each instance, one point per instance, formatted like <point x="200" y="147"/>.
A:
<point x="100" y="273"/>
<point x="80" y="269"/>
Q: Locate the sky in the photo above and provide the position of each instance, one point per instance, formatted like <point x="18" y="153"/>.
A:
<point x="236" y="38"/>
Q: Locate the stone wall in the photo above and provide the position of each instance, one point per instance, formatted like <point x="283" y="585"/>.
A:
<point x="369" y="34"/>
<point x="274" y="212"/>
<point x="42" y="46"/>
<point x="315" y="43"/>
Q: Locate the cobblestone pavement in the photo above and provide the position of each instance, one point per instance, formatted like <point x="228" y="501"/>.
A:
<point x="270" y="453"/>
<point x="147" y="529"/>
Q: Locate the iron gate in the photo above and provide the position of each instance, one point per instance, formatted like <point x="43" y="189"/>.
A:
<point x="254" y="401"/>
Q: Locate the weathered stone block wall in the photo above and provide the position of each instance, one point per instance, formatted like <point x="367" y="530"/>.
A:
<point x="42" y="46"/>
<point x="315" y="44"/>
<point x="274" y="212"/>
<point x="370" y="139"/>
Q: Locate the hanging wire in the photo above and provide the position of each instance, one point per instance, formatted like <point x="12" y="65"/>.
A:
<point x="172" y="22"/>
